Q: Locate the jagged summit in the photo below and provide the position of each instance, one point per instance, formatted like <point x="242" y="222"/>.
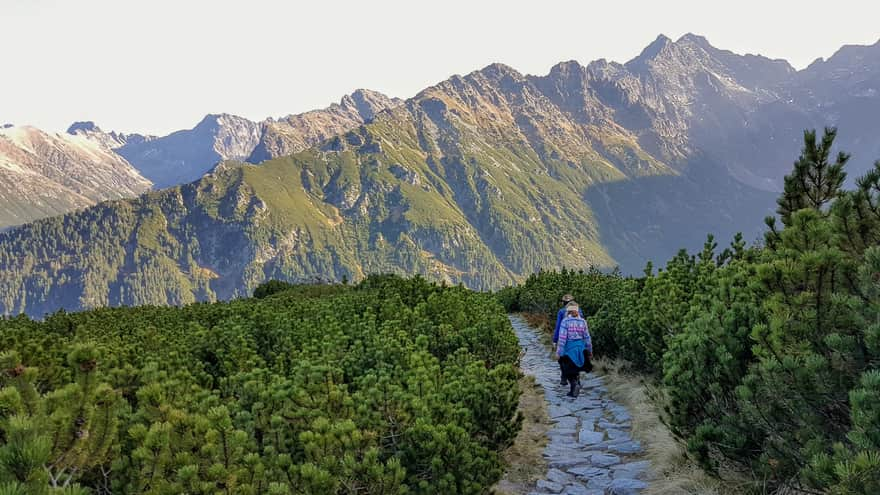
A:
<point x="216" y="120"/>
<point x="87" y="126"/>
<point x="293" y="133"/>
<point x="496" y="71"/>
<point x="688" y="48"/>
<point x="368" y="103"/>
<point x="861" y="61"/>
<point x="652" y="50"/>
<point x="566" y="68"/>
<point x="696" y="39"/>
<point x="110" y="140"/>
<point x="849" y="56"/>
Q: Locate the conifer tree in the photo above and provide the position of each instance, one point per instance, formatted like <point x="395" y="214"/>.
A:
<point x="51" y="441"/>
<point x="815" y="181"/>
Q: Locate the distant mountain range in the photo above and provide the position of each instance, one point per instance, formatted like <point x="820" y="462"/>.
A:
<point x="92" y="165"/>
<point x="185" y="156"/>
<point x="43" y="174"/>
<point x="481" y="179"/>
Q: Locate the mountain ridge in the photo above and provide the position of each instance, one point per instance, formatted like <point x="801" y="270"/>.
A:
<point x="187" y="154"/>
<point x="481" y="179"/>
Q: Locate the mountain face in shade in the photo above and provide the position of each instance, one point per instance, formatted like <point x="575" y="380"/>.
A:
<point x="844" y="91"/>
<point x="43" y="174"/>
<point x="480" y="179"/>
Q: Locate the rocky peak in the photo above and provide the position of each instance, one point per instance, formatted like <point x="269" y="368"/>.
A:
<point x="567" y="69"/>
<point x="185" y="155"/>
<point x="214" y="121"/>
<point x="484" y="94"/>
<point x="484" y="91"/>
<point x="368" y="103"/>
<point x="691" y="64"/>
<point x="848" y="60"/>
<point x="497" y="72"/>
<point x="855" y="53"/>
<point x="651" y="51"/>
<point x="209" y="122"/>
<point x="295" y="133"/>
<point x="695" y="39"/>
<point x="567" y="85"/>
<point x="752" y="71"/>
<point x="690" y="52"/>
<point x="84" y="126"/>
<point x="603" y="69"/>
<point x="852" y="72"/>
<point x="563" y="78"/>
<point x="233" y="137"/>
<point x="91" y="131"/>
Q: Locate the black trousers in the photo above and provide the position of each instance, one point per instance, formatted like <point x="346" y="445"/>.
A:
<point x="570" y="370"/>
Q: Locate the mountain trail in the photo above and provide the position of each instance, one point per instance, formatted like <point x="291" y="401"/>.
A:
<point x="590" y="450"/>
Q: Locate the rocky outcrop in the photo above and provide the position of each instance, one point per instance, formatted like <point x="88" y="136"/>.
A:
<point x="295" y="133"/>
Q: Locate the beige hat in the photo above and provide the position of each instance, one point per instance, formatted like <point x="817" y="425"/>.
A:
<point x="572" y="306"/>
<point x="567" y="298"/>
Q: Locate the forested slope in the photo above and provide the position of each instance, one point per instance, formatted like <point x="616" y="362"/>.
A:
<point x="768" y="355"/>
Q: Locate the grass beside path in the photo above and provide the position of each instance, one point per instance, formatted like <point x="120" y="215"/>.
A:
<point x="674" y="473"/>
<point x="524" y="459"/>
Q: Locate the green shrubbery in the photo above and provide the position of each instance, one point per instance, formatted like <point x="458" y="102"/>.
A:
<point x="768" y="356"/>
<point x="392" y="386"/>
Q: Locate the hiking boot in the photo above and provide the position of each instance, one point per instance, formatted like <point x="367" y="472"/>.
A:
<point x="564" y="381"/>
<point x="575" y="388"/>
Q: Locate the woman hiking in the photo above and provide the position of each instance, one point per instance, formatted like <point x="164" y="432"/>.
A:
<point x="574" y="348"/>
<point x="560" y="315"/>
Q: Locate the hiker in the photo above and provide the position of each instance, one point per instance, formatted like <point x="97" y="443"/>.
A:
<point x="560" y="315"/>
<point x="574" y="348"/>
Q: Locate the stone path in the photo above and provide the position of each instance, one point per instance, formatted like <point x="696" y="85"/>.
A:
<point x="590" y="450"/>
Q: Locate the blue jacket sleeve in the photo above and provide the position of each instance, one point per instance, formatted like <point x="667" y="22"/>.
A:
<point x="559" y="315"/>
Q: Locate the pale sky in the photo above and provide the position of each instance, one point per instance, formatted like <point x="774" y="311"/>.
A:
<point x="157" y="66"/>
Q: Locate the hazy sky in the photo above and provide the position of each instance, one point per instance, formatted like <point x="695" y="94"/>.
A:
<point x="156" y="66"/>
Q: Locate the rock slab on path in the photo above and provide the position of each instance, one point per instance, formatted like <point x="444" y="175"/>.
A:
<point x="590" y="448"/>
